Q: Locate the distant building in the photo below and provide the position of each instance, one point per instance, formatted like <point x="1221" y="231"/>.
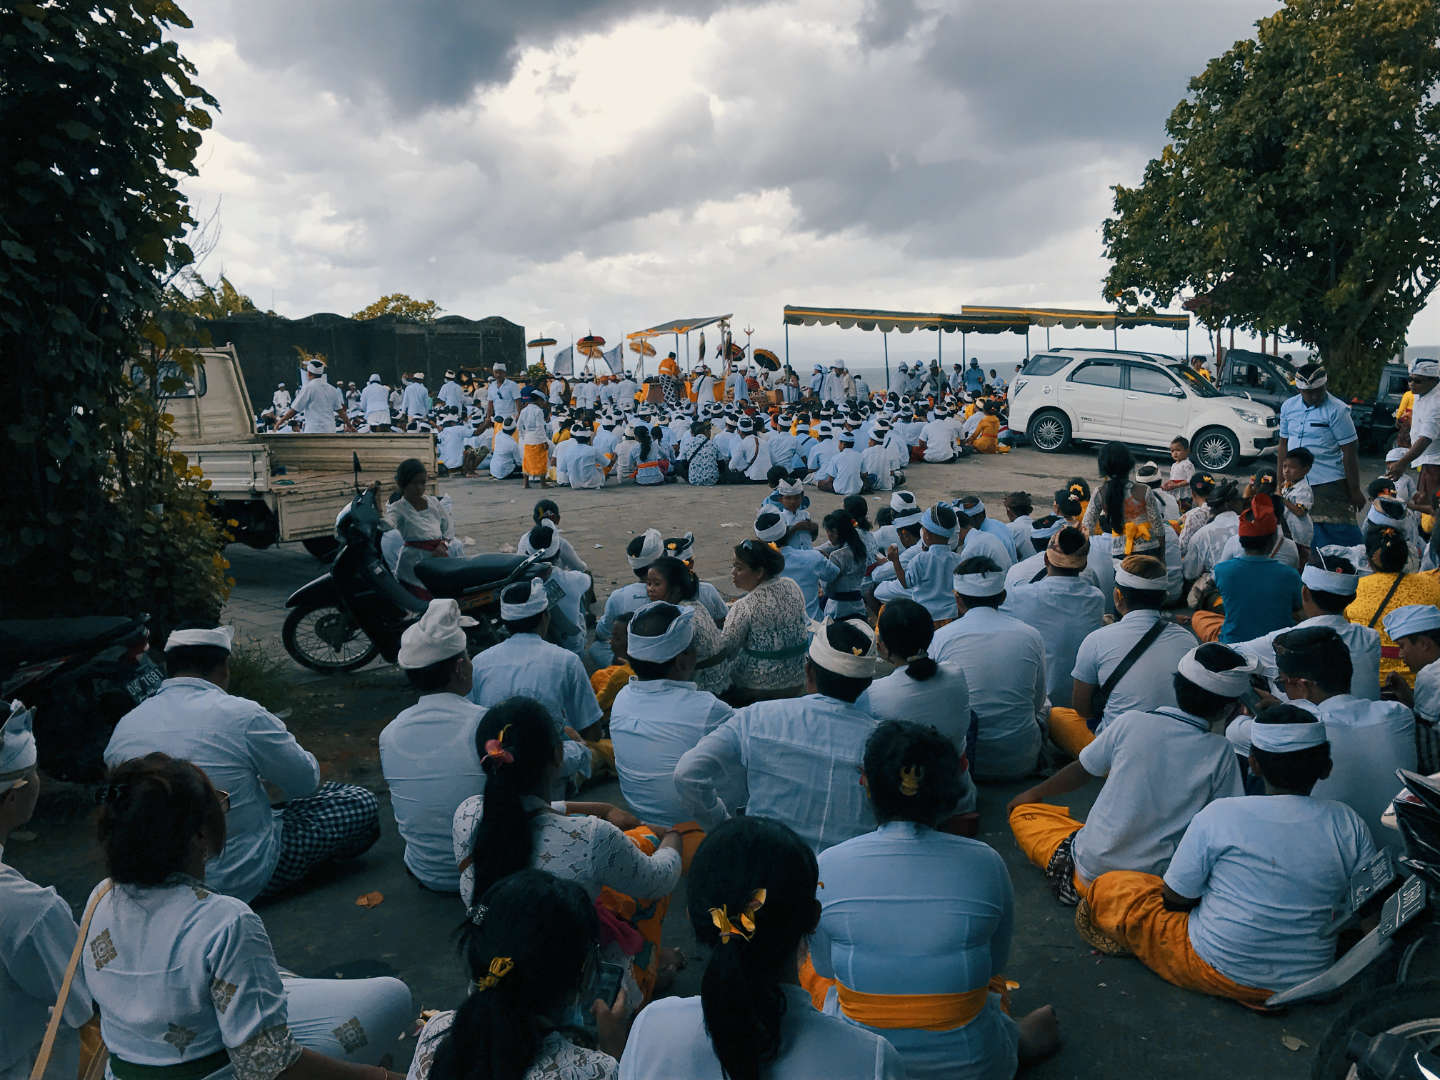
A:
<point x="387" y="345"/>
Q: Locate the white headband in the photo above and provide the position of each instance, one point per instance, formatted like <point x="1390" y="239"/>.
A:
<point x="1227" y="684"/>
<point x="927" y="519"/>
<point x="771" y="534"/>
<point x="221" y="637"/>
<point x="17" y="746"/>
<point x="1287" y="738"/>
<point x="852" y="665"/>
<point x="663" y="647"/>
<point x="537" y="602"/>
<point x="526" y="547"/>
<point x="1135" y="581"/>
<point x="437" y="635"/>
<point x="652" y="546"/>
<point x="315" y="367"/>
<point x="1376" y="516"/>
<point x="790" y="487"/>
<point x="1329" y="581"/>
<point x="1315" y="382"/>
<point x="992" y="584"/>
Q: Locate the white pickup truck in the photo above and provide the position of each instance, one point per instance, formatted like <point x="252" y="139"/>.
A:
<point x="276" y="487"/>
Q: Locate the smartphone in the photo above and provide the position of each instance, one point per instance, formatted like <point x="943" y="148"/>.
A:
<point x="605" y="984"/>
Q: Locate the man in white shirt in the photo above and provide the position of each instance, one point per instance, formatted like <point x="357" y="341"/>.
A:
<point x="1369" y="740"/>
<point x="1159" y="768"/>
<point x="1033" y="568"/>
<point x="1007" y="700"/>
<point x="37" y="931"/>
<point x="1325" y="593"/>
<point x="825" y="448"/>
<point x="1424" y="450"/>
<point x="1244" y="908"/>
<point x="843" y="473"/>
<point x="319" y="402"/>
<point x="974" y="509"/>
<point x="505" y="458"/>
<point x="427" y="753"/>
<point x="832" y="387"/>
<point x="939" y="437"/>
<point x="375" y="404"/>
<point x="584" y="468"/>
<point x="1146" y="683"/>
<point x="661" y="714"/>
<point x="1063" y="606"/>
<point x="876" y="461"/>
<point x="241" y="747"/>
<point x="280" y="400"/>
<point x="533" y="435"/>
<point x="415" y="400"/>
<point x="1415" y="629"/>
<point x="451" y="395"/>
<point x="974" y="542"/>
<point x="502" y="397"/>
<point x="526" y="665"/>
<point x="450" y="442"/>
<point x="795" y="759"/>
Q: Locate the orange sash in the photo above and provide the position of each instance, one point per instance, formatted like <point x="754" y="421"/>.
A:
<point x="917" y="1012"/>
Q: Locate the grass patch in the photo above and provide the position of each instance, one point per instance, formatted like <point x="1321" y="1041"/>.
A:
<point x="259" y="675"/>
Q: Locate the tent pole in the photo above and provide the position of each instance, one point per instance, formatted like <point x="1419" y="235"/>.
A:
<point x="962" y="352"/>
<point x="787" y="344"/>
<point x="940" y="345"/>
<point x="1027" y="341"/>
<point x="1047" y="337"/>
<point x="885" y="337"/>
<point x="1115" y="333"/>
<point x="1187" y="341"/>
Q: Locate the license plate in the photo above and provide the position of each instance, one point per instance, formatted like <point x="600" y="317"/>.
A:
<point x="145" y="684"/>
<point x="1401" y="908"/>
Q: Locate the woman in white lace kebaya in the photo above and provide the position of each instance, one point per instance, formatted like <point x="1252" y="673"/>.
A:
<point x="530" y="945"/>
<point x="630" y="875"/>
<point x="185" y="978"/>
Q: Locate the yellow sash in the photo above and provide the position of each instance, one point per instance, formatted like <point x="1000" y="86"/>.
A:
<point x="918" y="1012"/>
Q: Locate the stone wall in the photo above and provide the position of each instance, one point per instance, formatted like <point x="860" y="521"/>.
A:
<point x="266" y="345"/>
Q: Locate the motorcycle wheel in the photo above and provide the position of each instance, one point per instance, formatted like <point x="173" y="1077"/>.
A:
<point x="327" y="639"/>
<point x="1411" y="1011"/>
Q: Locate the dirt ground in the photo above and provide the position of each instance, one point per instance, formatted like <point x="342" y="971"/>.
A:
<point x="1117" y="1018"/>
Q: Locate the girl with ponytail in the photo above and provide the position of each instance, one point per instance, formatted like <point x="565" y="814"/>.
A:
<point x="752" y="903"/>
<point x="1132" y="512"/>
<point x="940" y="999"/>
<point x="512" y="827"/>
<point x="528" y="946"/>
<point x="846" y="559"/>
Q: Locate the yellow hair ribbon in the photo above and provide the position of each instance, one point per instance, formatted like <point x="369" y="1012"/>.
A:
<point x="1135" y="530"/>
<point x="746" y="930"/>
<point x="910" y="777"/>
<point x="500" y="966"/>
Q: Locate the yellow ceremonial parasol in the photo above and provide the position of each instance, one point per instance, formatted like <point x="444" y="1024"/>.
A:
<point x="540" y="343"/>
<point x="766" y="359"/>
<point x="642" y="348"/>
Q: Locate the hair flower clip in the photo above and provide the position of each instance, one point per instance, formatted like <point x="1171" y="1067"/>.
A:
<point x="910" y="777"/>
<point x="746" y="930"/>
<point x="494" y="748"/>
<point x="500" y="966"/>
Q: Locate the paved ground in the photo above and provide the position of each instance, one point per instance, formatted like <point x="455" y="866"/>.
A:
<point x="1117" y="1018"/>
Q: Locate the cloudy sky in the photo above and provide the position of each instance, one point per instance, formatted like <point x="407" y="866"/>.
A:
<point x="606" y="165"/>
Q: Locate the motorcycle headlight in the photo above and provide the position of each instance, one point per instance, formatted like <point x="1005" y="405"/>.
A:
<point x="1247" y="416"/>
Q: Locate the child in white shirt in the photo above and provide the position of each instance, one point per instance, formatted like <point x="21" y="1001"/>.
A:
<point x="1181" y="471"/>
<point x="1298" y="497"/>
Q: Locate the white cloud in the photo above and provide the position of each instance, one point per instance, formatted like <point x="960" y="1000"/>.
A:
<point x="586" y="165"/>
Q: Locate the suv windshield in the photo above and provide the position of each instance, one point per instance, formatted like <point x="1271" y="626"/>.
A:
<point x="1198" y="384"/>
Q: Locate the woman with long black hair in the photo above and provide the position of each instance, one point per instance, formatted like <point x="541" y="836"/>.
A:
<point x="629" y="874"/>
<point x="846" y="560"/>
<point x="529" y="947"/>
<point x="752" y="901"/>
<point x="1131" y="512"/>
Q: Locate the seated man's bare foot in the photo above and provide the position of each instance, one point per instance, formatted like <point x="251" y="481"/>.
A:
<point x="1039" y="1035"/>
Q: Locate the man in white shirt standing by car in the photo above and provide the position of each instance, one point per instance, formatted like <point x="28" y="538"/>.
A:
<point x="318" y="401"/>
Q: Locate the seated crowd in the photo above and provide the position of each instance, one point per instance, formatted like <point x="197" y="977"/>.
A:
<point x="805" y="758"/>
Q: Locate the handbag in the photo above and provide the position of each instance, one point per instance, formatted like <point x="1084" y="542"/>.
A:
<point x="95" y="1066"/>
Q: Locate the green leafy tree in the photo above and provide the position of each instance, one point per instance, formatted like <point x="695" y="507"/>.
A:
<point x="400" y="306"/>
<point x="99" y="120"/>
<point x="1300" y="188"/>
<point x="202" y="300"/>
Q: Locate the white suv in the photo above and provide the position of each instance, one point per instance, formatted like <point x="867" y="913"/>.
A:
<point x="1143" y="399"/>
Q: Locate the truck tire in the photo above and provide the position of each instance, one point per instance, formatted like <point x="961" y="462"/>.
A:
<point x="1215" y="449"/>
<point x="1412" y="1011"/>
<point x="326" y="639"/>
<point x="1049" y="431"/>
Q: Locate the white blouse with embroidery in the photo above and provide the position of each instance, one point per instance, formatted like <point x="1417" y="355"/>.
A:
<point x="559" y="1058"/>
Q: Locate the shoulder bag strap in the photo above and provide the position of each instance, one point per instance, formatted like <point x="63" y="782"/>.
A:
<point x="47" y="1047"/>
<point x="1126" y="663"/>
<point x="1395" y="585"/>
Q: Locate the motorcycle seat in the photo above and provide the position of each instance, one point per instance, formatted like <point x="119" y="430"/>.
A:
<point x="451" y="577"/>
<point x="43" y="639"/>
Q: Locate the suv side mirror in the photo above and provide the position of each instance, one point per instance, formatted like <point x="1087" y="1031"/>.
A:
<point x="1175" y="391"/>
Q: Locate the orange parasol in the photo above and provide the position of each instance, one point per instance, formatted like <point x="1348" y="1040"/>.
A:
<point x="643" y="348"/>
<point x="766" y="359"/>
<point x="591" y="345"/>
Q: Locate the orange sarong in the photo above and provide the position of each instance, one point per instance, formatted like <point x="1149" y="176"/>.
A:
<point x="1069" y="731"/>
<point x="648" y="916"/>
<point x="1207" y="625"/>
<point x="1128" y="907"/>
<point x="916" y="1012"/>
<point x="536" y="460"/>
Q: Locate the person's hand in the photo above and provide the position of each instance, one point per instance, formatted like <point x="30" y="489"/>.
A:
<point x="893" y="553"/>
<point x="1264" y="699"/>
<point x="571" y="733"/>
<point x="1395" y="470"/>
<point x="1358" y="500"/>
<point x="621" y="819"/>
<point x="1398" y="688"/>
<point x="610" y="1027"/>
<point x="1025" y="798"/>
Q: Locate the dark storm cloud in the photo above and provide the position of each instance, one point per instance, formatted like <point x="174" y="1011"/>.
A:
<point x="417" y="54"/>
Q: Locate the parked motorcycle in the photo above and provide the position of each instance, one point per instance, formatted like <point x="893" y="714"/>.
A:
<point x="1392" y="1034"/>
<point x="358" y="609"/>
<point x="81" y="676"/>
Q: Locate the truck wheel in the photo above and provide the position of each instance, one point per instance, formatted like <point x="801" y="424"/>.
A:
<point x="1411" y="1011"/>
<point x="327" y="639"/>
<point x="322" y="547"/>
<point x="1215" y="449"/>
<point x="1049" y="431"/>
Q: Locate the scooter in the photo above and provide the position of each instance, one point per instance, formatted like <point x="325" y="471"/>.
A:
<point x="358" y="609"/>
<point x="81" y="676"/>
<point x="1393" y="1033"/>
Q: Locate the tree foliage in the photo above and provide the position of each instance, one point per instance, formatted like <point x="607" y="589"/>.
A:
<point x="400" y="306"/>
<point x="198" y="298"/>
<point x="1300" y="189"/>
<point x="99" y="120"/>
